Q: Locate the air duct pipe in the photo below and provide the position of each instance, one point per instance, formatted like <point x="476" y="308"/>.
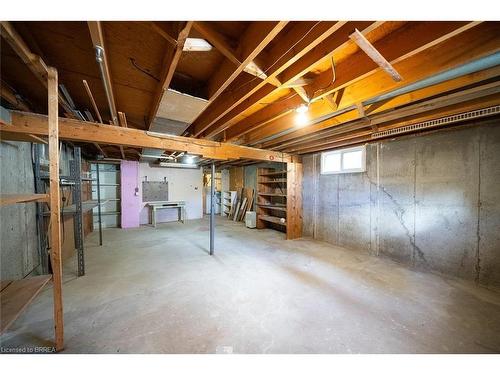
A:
<point x="99" y="56"/>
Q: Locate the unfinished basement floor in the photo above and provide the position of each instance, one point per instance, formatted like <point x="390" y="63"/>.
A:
<point x="157" y="291"/>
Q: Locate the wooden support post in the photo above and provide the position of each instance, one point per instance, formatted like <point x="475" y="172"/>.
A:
<point x="55" y="219"/>
<point x="294" y="200"/>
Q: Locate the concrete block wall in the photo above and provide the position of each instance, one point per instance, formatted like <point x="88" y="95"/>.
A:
<point x="431" y="201"/>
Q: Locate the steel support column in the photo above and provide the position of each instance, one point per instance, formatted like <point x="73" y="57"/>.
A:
<point x="212" y="209"/>
<point x="99" y="203"/>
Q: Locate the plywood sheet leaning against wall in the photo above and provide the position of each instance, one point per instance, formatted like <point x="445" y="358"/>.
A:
<point x="236" y="178"/>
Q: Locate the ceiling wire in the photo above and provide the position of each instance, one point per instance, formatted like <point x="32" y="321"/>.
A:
<point x="143" y="70"/>
<point x="334" y="78"/>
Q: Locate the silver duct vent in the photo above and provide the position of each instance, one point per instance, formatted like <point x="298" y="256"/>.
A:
<point x="490" y="111"/>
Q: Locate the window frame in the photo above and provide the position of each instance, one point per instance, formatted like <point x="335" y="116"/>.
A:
<point x="341" y="152"/>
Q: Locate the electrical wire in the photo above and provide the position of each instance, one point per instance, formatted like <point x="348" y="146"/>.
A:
<point x="334" y="78"/>
<point x="143" y="70"/>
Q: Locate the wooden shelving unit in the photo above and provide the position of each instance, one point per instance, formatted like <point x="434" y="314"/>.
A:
<point x="16" y="295"/>
<point x="279" y="200"/>
<point x="228" y="198"/>
<point x="271" y="199"/>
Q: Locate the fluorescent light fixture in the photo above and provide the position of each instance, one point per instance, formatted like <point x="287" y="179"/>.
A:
<point x="177" y="165"/>
<point x="303" y="108"/>
<point x="190" y="159"/>
<point x="196" y="44"/>
<point x="156" y="156"/>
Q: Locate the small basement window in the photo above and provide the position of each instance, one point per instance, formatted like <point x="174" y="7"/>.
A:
<point x="348" y="160"/>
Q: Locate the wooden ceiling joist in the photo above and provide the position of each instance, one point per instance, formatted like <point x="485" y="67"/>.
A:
<point x="10" y="96"/>
<point x="364" y="135"/>
<point x="84" y="131"/>
<point x="293" y="70"/>
<point x="288" y="49"/>
<point x="427" y="62"/>
<point x="479" y="97"/>
<point x="171" y="59"/>
<point x="218" y="40"/>
<point x="330" y="126"/>
<point x="397" y="46"/>
<point x="34" y="62"/>
<point x="257" y="36"/>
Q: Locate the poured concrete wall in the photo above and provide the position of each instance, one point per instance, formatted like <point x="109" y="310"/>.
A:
<point x="18" y="232"/>
<point x="431" y="201"/>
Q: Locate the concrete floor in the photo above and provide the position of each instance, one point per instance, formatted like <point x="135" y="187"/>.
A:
<point x="157" y="291"/>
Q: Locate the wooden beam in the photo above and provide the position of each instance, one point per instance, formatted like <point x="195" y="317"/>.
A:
<point x="292" y="46"/>
<point x="55" y="219"/>
<point x="375" y="55"/>
<point x="170" y="61"/>
<point x="84" y="131"/>
<point x="9" y="96"/>
<point x="92" y="101"/>
<point x="98" y="114"/>
<point x="33" y="62"/>
<point x="156" y="27"/>
<point x="398" y="46"/>
<point x="257" y="36"/>
<point x="8" y="199"/>
<point x="123" y="119"/>
<point x="218" y="40"/>
<point x="223" y="45"/>
<point x="427" y="62"/>
<point x="292" y="72"/>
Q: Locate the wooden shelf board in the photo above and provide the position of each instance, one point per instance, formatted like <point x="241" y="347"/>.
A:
<point x="277" y="181"/>
<point x="273" y="194"/>
<point x="7" y="199"/>
<point x="272" y="219"/>
<point x="86" y="206"/>
<point x="16" y="295"/>
<point x="272" y="207"/>
<point x="277" y="173"/>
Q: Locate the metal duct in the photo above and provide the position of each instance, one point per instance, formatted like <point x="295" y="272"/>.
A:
<point x="465" y="116"/>
<point x="99" y="56"/>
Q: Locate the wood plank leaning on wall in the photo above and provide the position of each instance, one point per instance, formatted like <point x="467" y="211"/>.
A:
<point x="294" y="200"/>
<point x="55" y="218"/>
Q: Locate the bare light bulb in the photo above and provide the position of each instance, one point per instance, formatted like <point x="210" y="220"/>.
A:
<point x="303" y="108"/>
<point x="301" y="119"/>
